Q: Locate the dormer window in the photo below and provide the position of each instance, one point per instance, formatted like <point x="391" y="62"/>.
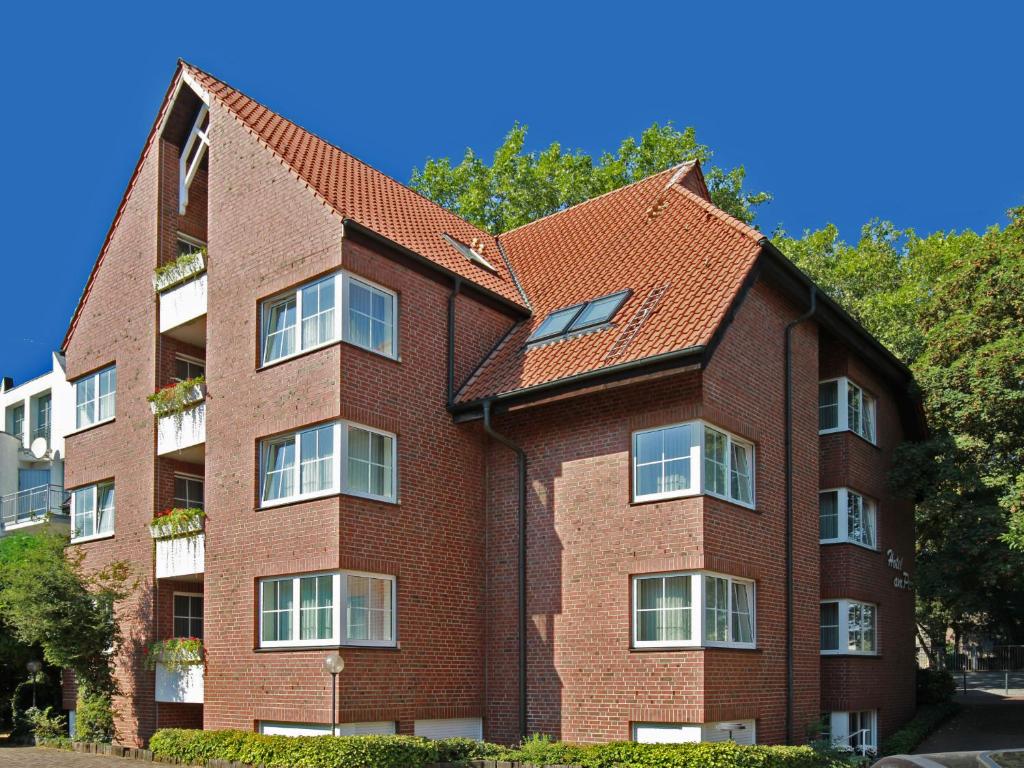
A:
<point x="579" y="317"/>
<point x="474" y="252"/>
<point x="192" y="155"/>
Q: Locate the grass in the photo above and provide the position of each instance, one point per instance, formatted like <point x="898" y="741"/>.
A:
<point x="1009" y="759"/>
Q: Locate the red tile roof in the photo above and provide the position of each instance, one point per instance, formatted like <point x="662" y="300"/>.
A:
<point x="362" y="193"/>
<point x="680" y="255"/>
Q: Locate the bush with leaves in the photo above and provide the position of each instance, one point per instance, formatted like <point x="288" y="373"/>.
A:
<point x="94" y="718"/>
<point x="934" y="686"/>
<point x="45" y="724"/>
<point x="927" y="719"/>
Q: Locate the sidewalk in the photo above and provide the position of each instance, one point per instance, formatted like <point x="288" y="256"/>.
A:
<point x="988" y="721"/>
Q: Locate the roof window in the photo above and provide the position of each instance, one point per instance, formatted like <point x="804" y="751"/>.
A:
<point x="474" y="252"/>
<point x="579" y="317"/>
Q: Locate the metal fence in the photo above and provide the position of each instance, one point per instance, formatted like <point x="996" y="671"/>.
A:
<point x="993" y="669"/>
<point x="31" y="504"/>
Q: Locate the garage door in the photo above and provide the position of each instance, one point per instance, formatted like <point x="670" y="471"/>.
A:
<point x="468" y="727"/>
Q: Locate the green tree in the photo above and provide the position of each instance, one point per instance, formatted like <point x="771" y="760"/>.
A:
<point x="519" y="186"/>
<point x="47" y="598"/>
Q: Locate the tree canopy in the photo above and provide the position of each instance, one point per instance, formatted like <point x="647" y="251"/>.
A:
<point x="517" y="186"/>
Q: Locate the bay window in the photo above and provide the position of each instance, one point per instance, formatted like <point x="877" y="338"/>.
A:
<point x="848" y="627"/>
<point x="95" y="397"/>
<point x="92" y="511"/>
<point x="691" y="458"/>
<point x="305" y="464"/>
<point x="847" y="516"/>
<point x="327" y="310"/>
<point x="693" y="609"/>
<point x="845" y="406"/>
<point x="339" y="608"/>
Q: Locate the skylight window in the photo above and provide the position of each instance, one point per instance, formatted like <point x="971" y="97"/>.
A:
<point x="579" y="317"/>
<point x="474" y="252"/>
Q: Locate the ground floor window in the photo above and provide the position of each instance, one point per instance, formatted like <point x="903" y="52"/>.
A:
<point x="739" y="731"/>
<point x="382" y="728"/>
<point x="857" y="731"/>
<point x="450" y="727"/>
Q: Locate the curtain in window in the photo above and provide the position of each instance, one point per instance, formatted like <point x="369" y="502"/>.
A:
<point x="317" y="459"/>
<point x="853" y="398"/>
<point x="715" y="446"/>
<point x="828" y="405"/>
<point x="316" y="596"/>
<point x="280" y="330"/>
<point x="108" y="389"/>
<point x="742" y="613"/>
<point x="277" y="610"/>
<point x="105" y="518"/>
<point x="742" y="489"/>
<point x="868" y="418"/>
<point x="664" y="607"/>
<point x="369" y="463"/>
<point x="716" y="609"/>
<point x="318" y="313"/>
<point x="278" y="481"/>
<point x="828" y="515"/>
<point x="830" y="626"/>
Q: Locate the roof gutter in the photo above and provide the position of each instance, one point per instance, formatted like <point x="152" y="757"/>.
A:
<point x="675" y="359"/>
<point x="521" y="524"/>
<point x="789" y="506"/>
<point x="433" y="265"/>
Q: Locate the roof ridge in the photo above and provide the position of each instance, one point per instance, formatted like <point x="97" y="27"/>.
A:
<point x="742" y="227"/>
<point x="580" y="204"/>
<point x="334" y="146"/>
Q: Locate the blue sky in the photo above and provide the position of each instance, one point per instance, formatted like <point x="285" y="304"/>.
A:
<point x="910" y="112"/>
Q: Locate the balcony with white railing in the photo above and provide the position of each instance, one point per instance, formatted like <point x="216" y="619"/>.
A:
<point x="180" y="554"/>
<point x="182" y="433"/>
<point x="182" y="290"/>
<point x="179" y="685"/>
<point x="33" y="506"/>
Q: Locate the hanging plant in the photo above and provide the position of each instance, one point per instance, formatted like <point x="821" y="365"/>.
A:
<point x="175" y="399"/>
<point x="178" y="522"/>
<point x="175" y="653"/>
<point x="182" y="268"/>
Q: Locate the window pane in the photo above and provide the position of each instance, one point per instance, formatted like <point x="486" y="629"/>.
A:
<point x="85" y="402"/>
<point x="279" y="333"/>
<point x="598" y="311"/>
<point x="318" y="313"/>
<point x="662" y="460"/>
<point x="741" y="481"/>
<point x="371" y="317"/>
<point x="742" y="613"/>
<point x="716" y="609"/>
<point x="85" y="509"/>
<point x="853" y="397"/>
<point x="277" y="610"/>
<point x="868" y="418"/>
<point x="828" y="515"/>
<point x="830" y="626"/>
<point x="555" y="323"/>
<point x="664" y="606"/>
<point x="107" y="393"/>
<point x="649" y="446"/>
<point x="317" y="459"/>
<point x="714" y="461"/>
<point x="370" y="463"/>
<point x="316" y="599"/>
<point x="105" y="516"/>
<point x="358" y="608"/>
<point x="868" y="626"/>
<point x="828" y="405"/>
<point x="279" y="470"/>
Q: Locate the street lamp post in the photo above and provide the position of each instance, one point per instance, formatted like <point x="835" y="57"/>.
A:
<point x="33" y="667"/>
<point x="333" y="664"/>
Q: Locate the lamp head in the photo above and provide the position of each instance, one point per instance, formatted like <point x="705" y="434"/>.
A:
<point x="34" y="666"/>
<point x="334" y="664"/>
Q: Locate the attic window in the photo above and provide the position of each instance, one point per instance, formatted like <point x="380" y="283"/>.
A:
<point x="579" y="317"/>
<point x="192" y="155"/>
<point x="474" y="252"/>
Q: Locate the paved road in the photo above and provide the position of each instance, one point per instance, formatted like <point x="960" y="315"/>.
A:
<point x="988" y="721"/>
<point x="31" y="757"/>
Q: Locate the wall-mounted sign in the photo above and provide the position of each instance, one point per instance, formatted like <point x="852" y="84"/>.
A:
<point x="902" y="579"/>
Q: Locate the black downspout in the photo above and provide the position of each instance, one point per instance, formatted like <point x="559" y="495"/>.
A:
<point x="456" y="287"/>
<point x="521" y="504"/>
<point x="789" y="509"/>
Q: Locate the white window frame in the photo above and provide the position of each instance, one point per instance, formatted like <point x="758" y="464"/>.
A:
<point x="339" y="612"/>
<point x="175" y="616"/>
<point x="186" y="170"/>
<point x="339" y="477"/>
<point x="839" y="728"/>
<point x="844" y="386"/>
<point x="870" y="507"/>
<point x="340" y="333"/>
<point x="94" y="377"/>
<point x="844" y="628"/>
<point x="697" y="607"/>
<point x="698" y="484"/>
<point x="94" y="490"/>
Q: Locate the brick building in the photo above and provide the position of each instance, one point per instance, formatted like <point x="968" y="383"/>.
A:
<point x="619" y="473"/>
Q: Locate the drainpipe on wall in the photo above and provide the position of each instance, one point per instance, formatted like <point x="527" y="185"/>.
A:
<point x="789" y="508"/>
<point x="521" y="512"/>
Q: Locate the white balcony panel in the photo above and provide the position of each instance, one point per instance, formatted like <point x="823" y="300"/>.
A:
<point x="179" y="686"/>
<point x="183" y="557"/>
<point x="183" y="435"/>
<point x="183" y="311"/>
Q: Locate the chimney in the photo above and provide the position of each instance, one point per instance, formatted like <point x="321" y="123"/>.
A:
<point x="6" y="383"/>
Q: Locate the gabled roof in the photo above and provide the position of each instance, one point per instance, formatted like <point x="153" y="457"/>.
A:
<point x="683" y="259"/>
<point x="353" y="189"/>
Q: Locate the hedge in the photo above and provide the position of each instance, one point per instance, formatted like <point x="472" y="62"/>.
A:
<point x="927" y="719"/>
<point x="196" y="747"/>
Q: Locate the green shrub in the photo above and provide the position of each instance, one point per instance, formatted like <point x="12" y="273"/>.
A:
<point x="927" y="719"/>
<point x="196" y="747"/>
<point x="45" y="724"/>
<point x="94" y="720"/>
<point x="56" y="742"/>
<point x="934" y="686"/>
<point x="456" y="749"/>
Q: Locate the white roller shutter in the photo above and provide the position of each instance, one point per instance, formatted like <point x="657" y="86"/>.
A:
<point x="466" y="727"/>
<point x="382" y="728"/>
<point x="665" y="733"/>
<point x="294" y="729"/>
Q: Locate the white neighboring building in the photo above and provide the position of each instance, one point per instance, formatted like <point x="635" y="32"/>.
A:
<point x="34" y="418"/>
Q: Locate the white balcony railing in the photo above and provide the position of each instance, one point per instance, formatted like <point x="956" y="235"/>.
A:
<point x="180" y="685"/>
<point x="32" y="505"/>
<point x="178" y="556"/>
<point x="183" y="311"/>
<point x="184" y="433"/>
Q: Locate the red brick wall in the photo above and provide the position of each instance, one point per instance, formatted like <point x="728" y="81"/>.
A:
<point x="884" y="682"/>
